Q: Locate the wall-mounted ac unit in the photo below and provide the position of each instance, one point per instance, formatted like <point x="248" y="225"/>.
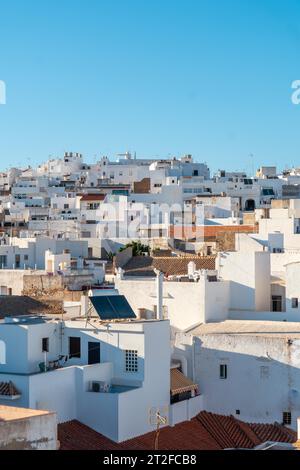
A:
<point x="99" y="386"/>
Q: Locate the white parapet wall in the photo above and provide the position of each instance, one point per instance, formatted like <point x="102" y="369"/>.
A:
<point x="185" y="410"/>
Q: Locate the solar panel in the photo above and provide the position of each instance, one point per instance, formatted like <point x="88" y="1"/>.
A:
<point x="112" y="307"/>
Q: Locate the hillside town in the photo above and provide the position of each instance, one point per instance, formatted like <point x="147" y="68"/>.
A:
<point x="149" y="304"/>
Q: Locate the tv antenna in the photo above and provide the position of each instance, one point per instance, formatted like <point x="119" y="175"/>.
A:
<point x="158" y="418"/>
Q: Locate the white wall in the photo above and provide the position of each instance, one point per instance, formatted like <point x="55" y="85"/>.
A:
<point x="185" y="410"/>
<point x="156" y="388"/>
<point x="248" y="269"/>
<point x="258" y="399"/>
<point x="293" y="287"/>
<point x="54" y="391"/>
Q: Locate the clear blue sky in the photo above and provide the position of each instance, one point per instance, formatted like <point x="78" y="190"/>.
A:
<point x="211" y="78"/>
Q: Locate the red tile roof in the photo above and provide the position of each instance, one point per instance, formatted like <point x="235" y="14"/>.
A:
<point x="207" y="431"/>
<point x="93" y="197"/>
<point x="186" y="232"/>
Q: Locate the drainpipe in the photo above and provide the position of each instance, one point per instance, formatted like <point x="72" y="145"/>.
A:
<point x="159" y="294"/>
<point x="193" y="360"/>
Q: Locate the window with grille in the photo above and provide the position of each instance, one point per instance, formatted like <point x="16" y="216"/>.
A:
<point x="131" y="360"/>
<point x="287" y="417"/>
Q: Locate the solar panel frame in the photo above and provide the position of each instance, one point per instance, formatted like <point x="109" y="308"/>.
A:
<point x="112" y="307"/>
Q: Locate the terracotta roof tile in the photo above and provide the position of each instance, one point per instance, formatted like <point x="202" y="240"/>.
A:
<point x="184" y="436"/>
<point x="208" y="431"/>
<point x="180" y="383"/>
<point x="206" y="232"/>
<point x="93" y="197"/>
<point x="273" y="432"/>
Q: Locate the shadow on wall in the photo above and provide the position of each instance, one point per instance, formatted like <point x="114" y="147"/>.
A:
<point x="254" y="388"/>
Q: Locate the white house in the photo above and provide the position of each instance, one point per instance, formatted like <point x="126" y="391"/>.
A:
<point x="248" y="369"/>
<point x="113" y="376"/>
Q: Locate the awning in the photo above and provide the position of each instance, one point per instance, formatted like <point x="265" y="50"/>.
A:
<point x="180" y="383"/>
<point x="8" y="389"/>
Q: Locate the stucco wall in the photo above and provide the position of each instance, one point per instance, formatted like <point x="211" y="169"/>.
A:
<point x="259" y="397"/>
<point x="33" y="433"/>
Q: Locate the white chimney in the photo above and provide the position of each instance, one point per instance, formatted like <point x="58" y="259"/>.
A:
<point x="120" y="273"/>
<point x="159" y="294"/>
<point x="191" y="268"/>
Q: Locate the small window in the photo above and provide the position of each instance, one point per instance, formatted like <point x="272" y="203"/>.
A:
<point x="237" y="412"/>
<point x="294" y="302"/>
<point x="131" y="360"/>
<point x="25" y="257"/>
<point x="74" y="346"/>
<point x="45" y="345"/>
<point x="223" y="371"/>
<point x="287" y="417"/>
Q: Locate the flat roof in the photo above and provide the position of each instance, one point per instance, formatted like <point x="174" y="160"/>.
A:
<point x="135" y="324"/>
<point x="11" y="413"/>
<point x="277" y="329"/>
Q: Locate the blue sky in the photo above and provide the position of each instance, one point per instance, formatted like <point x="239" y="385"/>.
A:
<point x="207" y="77"/>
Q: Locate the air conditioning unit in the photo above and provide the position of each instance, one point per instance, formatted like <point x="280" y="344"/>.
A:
<point x="99" y="387"/>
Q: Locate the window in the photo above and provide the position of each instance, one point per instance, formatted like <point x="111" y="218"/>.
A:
<point x="74" y="347"/>
<point x="45" y="345"/>
<point x="25" y="257"/>
<point x="237" y="412"/>
<point x="294" y="302"/>
<point x="276" y="303"/>
<point x="131" y="360"/>
<point x="287" y="417"/>
<point x="223" y="371"/>
<point x="3" y="261"/>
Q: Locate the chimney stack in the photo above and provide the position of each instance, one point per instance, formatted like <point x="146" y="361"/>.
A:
<point x="159" y="294"/>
